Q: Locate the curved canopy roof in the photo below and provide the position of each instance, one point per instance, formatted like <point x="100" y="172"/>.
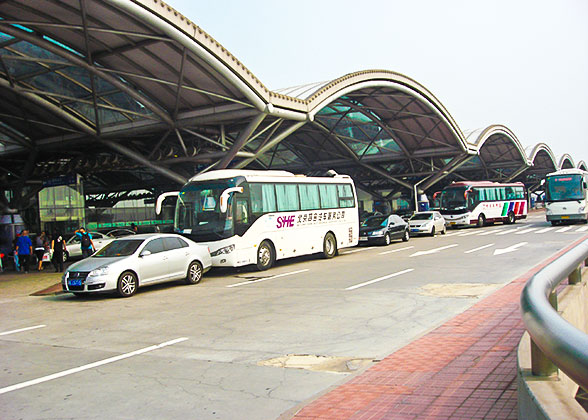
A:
<point x="582" y="165"/>
<point x="134" y="91"/>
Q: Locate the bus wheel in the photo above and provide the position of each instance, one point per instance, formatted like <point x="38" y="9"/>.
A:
<point x="329" y="246"/>
<point x="554" y="223"/>
<point x="265" y="256"/>
<point x="511" y="218"/>
<point x="481" y="221"/>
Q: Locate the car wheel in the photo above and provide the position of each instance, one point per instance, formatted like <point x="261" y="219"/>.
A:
<point x="329" y="246"/>
<point x="265" y="256"/>
<point x="127" y="284"/>
<point x="387" y="239"/>
<point x="194" y="273"/>
<point x="511" y="218"/>
<point x="481" y="221"/>
<point x="65" y="256"/>
<point x="406" y="236"/>
<point x="433" y="231"/>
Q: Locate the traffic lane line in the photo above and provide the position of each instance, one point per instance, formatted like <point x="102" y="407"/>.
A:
<point x="547" y="229"/>
<point x="582" y="229"/>
<point x="564" y="229"/>
<point x="357" y="250"/>
<point x="396" y="250"/>
<point x="506" y="232"/>
<point x="469" y="233"/>
<point x="433" y="251"/>
<point x="525" y="230"/>
<point x="243" y="283"/>
<point x="389" y="276"/>
<point x="490" y="232"/>
<point x="22" y="329"/>
<point x="89" y="366"/>
<point x="478" y="249"/>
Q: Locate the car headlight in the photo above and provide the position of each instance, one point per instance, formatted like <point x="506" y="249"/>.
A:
<point x="377" y="232"/>
<point x="581" y="209"/>
<point x="223" y="250"/>
<point x="99" y="271"/>
<point x="549" y="211"/>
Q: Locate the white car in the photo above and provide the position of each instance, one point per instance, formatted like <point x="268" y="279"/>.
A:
<point x="74" y="247"/>
<point x="427" y="222"/>
<point x="128" y="263"/>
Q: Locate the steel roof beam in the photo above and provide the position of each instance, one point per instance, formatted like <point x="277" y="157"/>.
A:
<point x="241" y="140"/>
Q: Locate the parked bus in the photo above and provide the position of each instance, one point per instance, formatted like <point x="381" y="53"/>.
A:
<point x="481" y="202"/>
<point x="566" y="194"/>
<point x="257" y="217"/>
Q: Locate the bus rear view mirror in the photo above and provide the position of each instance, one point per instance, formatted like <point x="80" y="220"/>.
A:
<point x="163" y="197"/>
<point x="224" y="198"/>
<point x="542" y="182"/>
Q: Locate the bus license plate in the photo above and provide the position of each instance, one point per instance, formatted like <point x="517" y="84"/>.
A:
<point x="451" y="223"/>
<point x="76" y="282"/>
<point x="565" y="217"/>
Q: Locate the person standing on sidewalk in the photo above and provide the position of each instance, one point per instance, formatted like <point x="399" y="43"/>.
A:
<point x="40" y="250"/>
<point x="58" y="247"/>
<point x="24" y="249"/>
<point x="86" y="242"/>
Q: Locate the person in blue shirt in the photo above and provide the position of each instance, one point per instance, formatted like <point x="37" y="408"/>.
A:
<point x="24" y="249"/>
<point x="85" y="242"/>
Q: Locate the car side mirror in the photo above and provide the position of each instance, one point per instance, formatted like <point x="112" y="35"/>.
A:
<point x="145" y="253"/>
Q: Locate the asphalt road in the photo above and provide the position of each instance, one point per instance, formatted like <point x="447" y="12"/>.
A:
<point x="201" y="352"/>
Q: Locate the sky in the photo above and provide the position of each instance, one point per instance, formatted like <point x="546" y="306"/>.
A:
<point x="520" y="63"/>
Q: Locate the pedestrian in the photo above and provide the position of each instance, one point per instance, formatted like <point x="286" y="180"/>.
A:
<point x="24" y="249"/>
<point x="86" y="242"/>
<point x="134" y="228"/>
<point x="15" y="253"/>
<point x="58" y="247"/>
<point x="40" y="250"/>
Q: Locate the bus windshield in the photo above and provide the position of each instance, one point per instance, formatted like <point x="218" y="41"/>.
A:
<point x="198" y="213"/>
<point x="564" y="187"/>
<point x="453" y="199"/>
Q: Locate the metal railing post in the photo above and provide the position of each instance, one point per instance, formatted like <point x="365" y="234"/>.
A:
<point x="575" y="276"/>
<point x="540" y="363"/>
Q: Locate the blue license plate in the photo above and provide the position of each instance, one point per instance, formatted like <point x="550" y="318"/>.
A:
<point x="414" y="230"/>
<point x="75" y="282"/>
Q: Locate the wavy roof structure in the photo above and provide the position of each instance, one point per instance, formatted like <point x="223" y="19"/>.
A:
<point x="133" y="90"/>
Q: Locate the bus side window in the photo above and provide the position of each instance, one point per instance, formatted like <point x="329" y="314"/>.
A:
<point x="241" y="216"/>
<point x="510" y="195"/>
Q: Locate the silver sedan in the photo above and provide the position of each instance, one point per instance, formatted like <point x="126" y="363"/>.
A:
<point x="128" y="263"/>
<point x="427" y="222"/>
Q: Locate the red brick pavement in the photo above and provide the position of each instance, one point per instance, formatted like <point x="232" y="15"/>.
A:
<point x="464" y="369"/>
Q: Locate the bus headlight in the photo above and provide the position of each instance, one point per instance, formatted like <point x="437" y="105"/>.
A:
<point x="223" y="250"/>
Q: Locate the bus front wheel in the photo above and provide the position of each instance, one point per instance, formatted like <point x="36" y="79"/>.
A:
<point x="265" y="256"/>
<point x="329" y="246"/>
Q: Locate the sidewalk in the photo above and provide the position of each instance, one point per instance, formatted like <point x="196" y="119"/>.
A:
<point x="464" y="369"/>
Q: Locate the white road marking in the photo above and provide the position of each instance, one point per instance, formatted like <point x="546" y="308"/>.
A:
<point x="452" y="234"/>
<point x="523" y="231"/>
<point x="469" y="233"/>
<point x="396" y="250"/>
<point x="267" y="278"/>
<point x="582" y="229"/>
<point x="512" y="248"/>
<point x="547" y="229"/>
<point x="357" y="286"/>
<point x="358" y="250"/>
<point x="506" y="232"/>
<point x="490" y="232"/>
<point x="22" y="329"/>
<point x="478" y="249"/>
<point x="564" y="229"/>
<point x="433" y="251"/>
<point x="89" y="366"/>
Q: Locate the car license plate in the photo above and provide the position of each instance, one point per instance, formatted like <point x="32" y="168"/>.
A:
<point x="414" y="230"/>
<point x="565" y="217"/>
<point x="451" y="223"/>
<point x="75" y="282"/>
<point x="363" y="238"/>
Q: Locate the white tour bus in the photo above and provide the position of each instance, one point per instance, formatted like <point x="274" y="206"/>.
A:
<point x="257" y="217"/>
<point x="566" y="196"/>
<point x="480" y="202"/>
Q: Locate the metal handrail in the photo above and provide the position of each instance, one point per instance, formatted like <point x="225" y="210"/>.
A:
<point x="562" y="343"/>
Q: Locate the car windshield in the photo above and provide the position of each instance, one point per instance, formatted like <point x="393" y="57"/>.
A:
<point x="375" y="221"/>
<point x="422" y="216"/>
<point x="119" y="248"/>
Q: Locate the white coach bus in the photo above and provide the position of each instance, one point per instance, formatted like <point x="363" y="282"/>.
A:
<point x="257" y="217"/>
<point x="566" y="194"/>
<point x="480" y="202"/>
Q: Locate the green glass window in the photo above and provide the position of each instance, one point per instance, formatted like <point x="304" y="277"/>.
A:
<point x="287" y="197"/>
<point x="328" y="194"/>
<point x="263" y="198"/>
<point x="309" y="197"/>
<point x="345" y="195"/>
